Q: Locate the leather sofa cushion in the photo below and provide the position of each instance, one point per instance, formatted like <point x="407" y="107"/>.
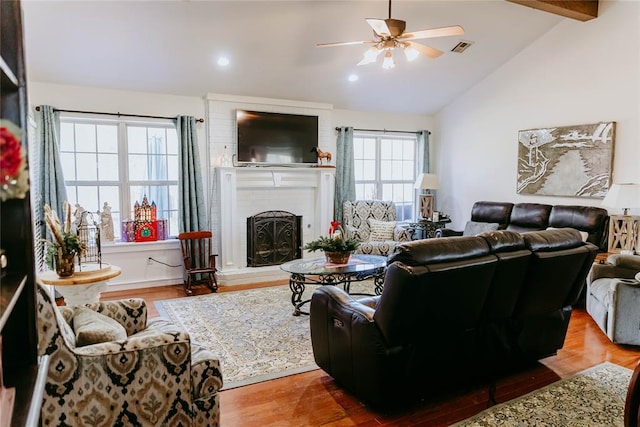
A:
<point x="503" y="241"/>
<point x="529" y="216"/>
<point x="484" y="211"/>
<point x="591" y="219"/>
<point x="445" y="249"/>
<point x="585" y="218"/>
<point x="552" y="240"/>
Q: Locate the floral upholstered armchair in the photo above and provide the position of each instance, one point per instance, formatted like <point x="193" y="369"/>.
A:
<point x="373" y="222"/>
<point x="143" y="373"/>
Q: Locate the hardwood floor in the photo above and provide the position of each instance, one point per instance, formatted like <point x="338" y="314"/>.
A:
<point x="313" y="398"/>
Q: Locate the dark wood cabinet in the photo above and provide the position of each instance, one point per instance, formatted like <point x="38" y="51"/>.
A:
<point x="21" y="366"/>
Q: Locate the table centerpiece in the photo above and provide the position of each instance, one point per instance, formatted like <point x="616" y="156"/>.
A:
<point x="65" y="245"/>
<point x="336" y="247"/>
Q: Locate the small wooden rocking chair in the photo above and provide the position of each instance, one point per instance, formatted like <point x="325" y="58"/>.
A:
<point x="199" y="261"/>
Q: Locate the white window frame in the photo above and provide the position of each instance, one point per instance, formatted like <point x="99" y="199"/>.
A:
<point x="378" y="181"/>
<point x="124" y="184"/>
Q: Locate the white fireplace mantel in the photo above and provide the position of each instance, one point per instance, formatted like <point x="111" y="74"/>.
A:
<point x="246" y="191"/>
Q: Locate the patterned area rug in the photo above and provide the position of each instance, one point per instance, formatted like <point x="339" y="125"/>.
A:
<point x="253" y="332"/>
<point x="594" y="397"/>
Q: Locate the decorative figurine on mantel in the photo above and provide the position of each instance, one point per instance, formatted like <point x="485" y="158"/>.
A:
<point x="322" y="155"/>
<point x="106" y="223"/>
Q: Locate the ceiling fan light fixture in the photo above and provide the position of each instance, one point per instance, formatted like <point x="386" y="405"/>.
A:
<point x="410" y="52"/>
<point x="388" y="63"/>
<point x="370" y="55"/>
<point x="389" y="34"/>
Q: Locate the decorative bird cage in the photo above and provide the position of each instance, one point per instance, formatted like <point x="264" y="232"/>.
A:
<point x="89" y="233"/>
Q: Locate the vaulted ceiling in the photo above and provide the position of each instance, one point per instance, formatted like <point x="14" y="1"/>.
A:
<point x="173" y="48"/>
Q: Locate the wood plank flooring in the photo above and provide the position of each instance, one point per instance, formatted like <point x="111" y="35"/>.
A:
<point x="313" y="398"/>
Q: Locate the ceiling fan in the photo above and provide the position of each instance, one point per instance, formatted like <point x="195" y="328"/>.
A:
<point x="389" y="34"/>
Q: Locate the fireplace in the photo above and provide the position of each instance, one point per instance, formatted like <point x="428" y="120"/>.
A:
<point x="273" y="237"/>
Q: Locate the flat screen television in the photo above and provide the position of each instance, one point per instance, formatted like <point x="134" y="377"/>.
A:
<point x="276" y="138"/>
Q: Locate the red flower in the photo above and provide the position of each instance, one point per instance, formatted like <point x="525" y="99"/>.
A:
<point x="334" y="227"/>
<point x="10" y="155"/>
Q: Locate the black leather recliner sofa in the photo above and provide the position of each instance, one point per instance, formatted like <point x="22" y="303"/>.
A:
<point x="524" y="217"/>
<point x="451" y="308"/>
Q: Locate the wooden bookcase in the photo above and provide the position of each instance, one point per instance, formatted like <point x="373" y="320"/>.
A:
<point x="21" y="366"/>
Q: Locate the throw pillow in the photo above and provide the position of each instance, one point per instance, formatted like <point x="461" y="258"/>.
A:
<point x="583" y="234"/>
<point x="92" y="327"/>
<point x="473" y="228"/>
<point x="381" y="230"/>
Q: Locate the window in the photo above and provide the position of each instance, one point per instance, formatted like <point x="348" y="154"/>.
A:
<point x="385" y="169"/>
<point x="119" y="162"/>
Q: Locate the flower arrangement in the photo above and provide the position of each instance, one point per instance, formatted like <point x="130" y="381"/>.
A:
<point x="14" y="177"/>
<point x="335" y="242"/>
<point x="65" y="245"/>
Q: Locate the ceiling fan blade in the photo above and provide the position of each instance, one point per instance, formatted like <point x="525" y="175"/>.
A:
<point x="344" y="43"/>
<point x="454" y="30"/>
<point x="429" y="51"/>
<point x="379" y="26"/>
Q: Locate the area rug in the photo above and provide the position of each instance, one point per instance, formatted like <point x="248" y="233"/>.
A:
<point x="594" y="397"/>
<point x="253" y="332"/>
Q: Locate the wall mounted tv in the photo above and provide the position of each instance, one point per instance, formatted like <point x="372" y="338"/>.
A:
<point x="276" y="138"/>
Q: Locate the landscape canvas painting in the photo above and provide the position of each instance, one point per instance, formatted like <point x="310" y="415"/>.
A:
<point x="566" y="161"/>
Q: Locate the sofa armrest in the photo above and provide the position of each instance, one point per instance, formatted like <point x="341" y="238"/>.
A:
<point x="342" y="301"/>
<point x="348" y="345"/>
<point x="624" y="312"/>
<point x="352" y="232"/>
<point x="403" y="233"/>
<point x="149" y="339"/>
<point x="610" y="271"/>
<point x="445" y="232"/>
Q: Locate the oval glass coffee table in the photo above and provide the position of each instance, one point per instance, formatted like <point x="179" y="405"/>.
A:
<point x="318" y="272"/>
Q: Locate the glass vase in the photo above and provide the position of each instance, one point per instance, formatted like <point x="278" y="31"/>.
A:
<point x="65" y="264"/>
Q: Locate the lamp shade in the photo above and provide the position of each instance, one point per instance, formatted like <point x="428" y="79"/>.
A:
<point x="427" y="181"/>
<point x="623" y="196"/>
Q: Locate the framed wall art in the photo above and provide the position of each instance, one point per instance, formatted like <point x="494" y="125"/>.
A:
<point x="574" y="161"/>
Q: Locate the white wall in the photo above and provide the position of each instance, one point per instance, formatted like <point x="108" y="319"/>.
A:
<point x="381" y="121"/>
<point x="577" y="73"/>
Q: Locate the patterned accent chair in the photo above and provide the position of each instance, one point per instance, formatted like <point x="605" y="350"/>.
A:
<point x="355" y="217"/>
<point x="154" y="377"/>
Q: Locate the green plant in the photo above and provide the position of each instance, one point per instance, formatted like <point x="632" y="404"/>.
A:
<point x="335" y="243"/>
<point x="64" y="242"/>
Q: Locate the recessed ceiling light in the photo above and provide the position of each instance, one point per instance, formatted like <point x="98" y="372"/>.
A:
<point x="353" y="77"/>
<point x="223" y="61"/>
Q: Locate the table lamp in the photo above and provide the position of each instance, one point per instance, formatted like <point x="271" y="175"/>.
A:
<point x="426" y="181"/>
<point x="623" y="230"/>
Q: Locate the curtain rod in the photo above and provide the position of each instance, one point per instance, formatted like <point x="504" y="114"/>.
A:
<point x="384" y="130"/>
<point x="201" y="120"/>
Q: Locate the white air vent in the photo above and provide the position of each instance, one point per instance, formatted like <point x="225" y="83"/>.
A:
<point x="461" y="47"/>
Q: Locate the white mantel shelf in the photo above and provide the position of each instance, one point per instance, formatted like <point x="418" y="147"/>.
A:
<point x="246" y="191"/>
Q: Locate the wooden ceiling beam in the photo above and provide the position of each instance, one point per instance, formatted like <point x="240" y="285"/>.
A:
<point x="582" y="10"/>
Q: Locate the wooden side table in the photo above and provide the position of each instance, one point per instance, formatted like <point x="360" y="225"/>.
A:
<point x="427" y="228"/>
<point x="83" y="287"/>
<point x="623" y="233"/>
